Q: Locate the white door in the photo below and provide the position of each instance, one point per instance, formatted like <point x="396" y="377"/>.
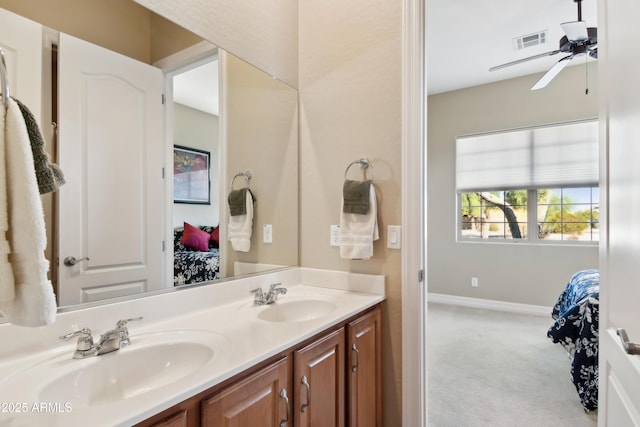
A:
<point x="619" y="68"/>
<point x="21" y="43"/>
<point x="111" y="152"/>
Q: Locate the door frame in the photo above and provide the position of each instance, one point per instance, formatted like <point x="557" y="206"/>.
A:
<point x="171" y="66"/>
<point x="414" y="170"/>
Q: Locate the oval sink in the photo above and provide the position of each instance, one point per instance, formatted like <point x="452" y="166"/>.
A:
<point x="152" y="361"/>
<point x="296" y="310"/>
<point x="125" y="374"/>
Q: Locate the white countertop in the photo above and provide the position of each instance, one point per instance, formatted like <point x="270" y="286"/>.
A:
<point x="224" y="311"/>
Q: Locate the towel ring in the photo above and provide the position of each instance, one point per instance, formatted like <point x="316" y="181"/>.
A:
<point x="247" y="175"/>
<point x="4" y="80"/>
<point x="364" y="165"/>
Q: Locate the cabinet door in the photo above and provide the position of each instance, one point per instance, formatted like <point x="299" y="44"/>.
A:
<point x="256" y="401"/>
<point x="319" y="382"/>
<point x="178" y="419"/>
<point x="364" y="374"/>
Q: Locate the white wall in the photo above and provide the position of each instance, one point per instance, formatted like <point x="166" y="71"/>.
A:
<point x="200" y="130"/>
<point x="516" y="272"/>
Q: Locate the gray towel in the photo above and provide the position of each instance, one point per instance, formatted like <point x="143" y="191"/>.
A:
<point x="238" y="201"/>
<point x="356" y="196"/>
<point x="48" y="175"/>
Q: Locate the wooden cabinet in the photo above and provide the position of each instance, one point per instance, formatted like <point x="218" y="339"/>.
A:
<point x="178" y="419"/>
<point x="259" y="400"/>
<point x="333" y="379"/>
<point x="319" y="382"/>
<point x="364" y="371"/>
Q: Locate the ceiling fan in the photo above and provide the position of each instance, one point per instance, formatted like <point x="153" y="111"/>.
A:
<point x="578" y="40"/>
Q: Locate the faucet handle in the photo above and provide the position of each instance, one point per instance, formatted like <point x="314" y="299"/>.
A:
<point x="121" y="327"/>
<point x="274" y="285"/>
<point x="85" y="342"/>
<point x="256" y="291"/>
<point x="122" y="323"/>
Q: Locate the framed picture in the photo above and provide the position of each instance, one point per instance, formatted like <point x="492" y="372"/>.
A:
<point x="191" y="183"/>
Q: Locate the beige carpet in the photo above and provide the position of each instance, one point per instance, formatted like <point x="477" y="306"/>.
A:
<point x="494" y="368"/>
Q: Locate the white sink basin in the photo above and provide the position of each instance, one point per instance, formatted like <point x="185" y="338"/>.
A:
<point x="291" y="310"/>
<point x="152" y="361"/>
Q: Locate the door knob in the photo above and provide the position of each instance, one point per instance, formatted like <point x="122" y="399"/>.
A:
<point x="70" y="261"/>
<point x="629" y="347"/>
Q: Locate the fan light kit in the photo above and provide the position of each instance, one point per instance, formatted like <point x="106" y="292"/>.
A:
<point x="578" y="40"/>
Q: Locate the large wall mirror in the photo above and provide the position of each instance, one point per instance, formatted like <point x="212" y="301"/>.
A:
<point x="141" y="180"/>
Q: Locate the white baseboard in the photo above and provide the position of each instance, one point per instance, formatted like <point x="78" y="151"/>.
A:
<point x="489" y="304"/>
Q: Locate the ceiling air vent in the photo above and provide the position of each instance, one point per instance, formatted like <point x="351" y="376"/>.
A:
<point x="530" y="40"/>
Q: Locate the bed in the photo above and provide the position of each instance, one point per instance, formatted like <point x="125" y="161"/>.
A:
<point x="575" y="327"/>
<point x="192" y="264"/>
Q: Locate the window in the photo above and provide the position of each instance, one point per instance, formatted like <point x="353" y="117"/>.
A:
<point x="539" y="185"/>
<point x="558" y="214"/>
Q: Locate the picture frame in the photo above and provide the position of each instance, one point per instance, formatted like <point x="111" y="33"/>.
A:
<point x="191" y="175"/>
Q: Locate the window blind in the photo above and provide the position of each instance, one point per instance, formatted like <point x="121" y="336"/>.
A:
<point x="544" y="157"/>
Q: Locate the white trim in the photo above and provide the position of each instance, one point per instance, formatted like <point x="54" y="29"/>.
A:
<point x="487" y="304"/>
<point x="414" y="355"/>
<point x="188" y="58"/>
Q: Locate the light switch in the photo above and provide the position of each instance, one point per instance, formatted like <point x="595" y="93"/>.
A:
<point x="334" y="236"/>
<point x="267" y="233"/>
<point x="394" y="236"/>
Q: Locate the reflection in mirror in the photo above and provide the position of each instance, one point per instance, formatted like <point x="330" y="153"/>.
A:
<point x="196" y="195"/>
<point x="125" y="227"/>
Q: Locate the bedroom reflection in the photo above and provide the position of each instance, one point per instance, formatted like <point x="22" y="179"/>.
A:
<point x="196" y="176"/>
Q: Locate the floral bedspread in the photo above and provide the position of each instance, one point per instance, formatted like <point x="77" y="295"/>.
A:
<point x="576" y="329"/>
<point x="195" y="267"/>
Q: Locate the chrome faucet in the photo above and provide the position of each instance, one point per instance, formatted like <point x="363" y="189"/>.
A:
<point x="112" y="340"/>
<point x="260" y="298"/>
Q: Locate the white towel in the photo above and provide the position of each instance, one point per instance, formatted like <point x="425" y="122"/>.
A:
<point x="357" y="231"/>
<point x="7" y="284"/>
<point x="240" y="227"/>
<point x="34" y="303"/>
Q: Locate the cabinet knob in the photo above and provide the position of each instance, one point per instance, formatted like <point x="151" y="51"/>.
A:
<point x="305" y="382"/>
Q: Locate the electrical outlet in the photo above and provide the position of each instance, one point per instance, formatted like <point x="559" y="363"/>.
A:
<point x="474" y="282"/>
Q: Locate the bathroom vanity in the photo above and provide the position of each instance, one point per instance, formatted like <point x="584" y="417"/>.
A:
<point x="328" y="379"/>
<point x="209" y="356"/>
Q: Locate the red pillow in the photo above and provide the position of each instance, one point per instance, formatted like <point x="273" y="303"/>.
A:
<point x="194" y="238"/>
<point x="215" y="237"/>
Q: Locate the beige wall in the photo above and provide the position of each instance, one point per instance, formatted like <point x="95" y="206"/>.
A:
<point x="259" y="116"/>
<point x="350" y="100"/>
<point x="262" y="32"/>
<point x="519" y="273"/>
<point x="122" y="26"/>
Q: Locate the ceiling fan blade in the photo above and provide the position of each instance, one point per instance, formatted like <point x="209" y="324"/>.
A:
<point x="520" y="61"/>
<point x="575" y="30"/>
<point x="552" y="72"/>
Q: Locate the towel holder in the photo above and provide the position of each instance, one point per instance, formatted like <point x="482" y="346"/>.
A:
<point x="4" y="80"/>
<point x="247" y="175"/>
<point x="364" y="164"/>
